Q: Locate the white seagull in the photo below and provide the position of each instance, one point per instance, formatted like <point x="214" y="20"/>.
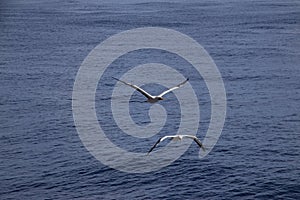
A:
<point x="178" y="137"/>
<point x="150" y="98"/>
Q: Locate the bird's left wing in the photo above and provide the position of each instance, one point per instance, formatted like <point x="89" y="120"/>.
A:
<point x="199" y="143"/>
<point x="196" y="140"/>
<point x="173" y="88"/>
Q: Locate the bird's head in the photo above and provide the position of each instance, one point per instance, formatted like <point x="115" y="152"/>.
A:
<point x="160" y="98"/>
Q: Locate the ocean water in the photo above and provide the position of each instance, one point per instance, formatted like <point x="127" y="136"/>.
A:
<point x="256" y="46"/>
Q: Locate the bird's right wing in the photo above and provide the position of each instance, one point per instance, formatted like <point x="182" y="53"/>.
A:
<point x="158" y="141"/>
<point x="143" y="92"/>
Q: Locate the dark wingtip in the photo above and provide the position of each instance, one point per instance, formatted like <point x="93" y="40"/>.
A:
<point x="116" y="78"/>
<point x="149" y="152"/>
<point x="188" y="79"/>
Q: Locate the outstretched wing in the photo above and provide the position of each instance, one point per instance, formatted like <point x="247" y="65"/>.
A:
<point x="146" y="94"/>
<point x="158" y="141"/>
<point x="199" y="143"/>
<point x="196" y="140"/>
<point x="173" y="88"/>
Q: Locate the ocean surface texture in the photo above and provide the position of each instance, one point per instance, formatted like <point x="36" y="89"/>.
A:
<point x="256" y="46"/>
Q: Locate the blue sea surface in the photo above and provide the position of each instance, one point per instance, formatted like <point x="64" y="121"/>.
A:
<point x="256" y="46"/>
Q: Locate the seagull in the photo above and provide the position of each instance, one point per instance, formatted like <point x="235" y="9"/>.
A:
<point x="178" y="137"/>
<point x="150" y="98"/>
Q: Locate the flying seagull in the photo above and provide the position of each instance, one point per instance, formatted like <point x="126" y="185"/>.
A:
<point x="178" y="137"/>
<point x="150" y="98"/>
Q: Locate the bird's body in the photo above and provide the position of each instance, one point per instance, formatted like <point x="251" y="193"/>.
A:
<point x="178" y="137"/>
<point x="154" y="99"/>
<point x="151" y="98"/>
